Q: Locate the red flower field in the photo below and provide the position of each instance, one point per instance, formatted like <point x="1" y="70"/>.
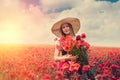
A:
<point x="35" y="62"/>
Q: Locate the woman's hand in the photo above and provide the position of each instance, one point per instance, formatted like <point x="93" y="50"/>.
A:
<point x="70" y="57"/>
<point x="73" y="57"/>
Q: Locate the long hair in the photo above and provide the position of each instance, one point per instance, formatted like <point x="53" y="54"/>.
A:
<point x="71" y="30"/>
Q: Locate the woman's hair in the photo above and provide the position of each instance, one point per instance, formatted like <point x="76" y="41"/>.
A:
<point x="71" y="30"/>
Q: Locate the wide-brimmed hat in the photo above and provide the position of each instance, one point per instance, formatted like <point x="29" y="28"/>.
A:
<point x="73" y="21"/>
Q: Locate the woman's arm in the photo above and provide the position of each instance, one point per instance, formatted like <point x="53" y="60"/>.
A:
<point x="57" y="53"/>
<point x="58" y="56"/>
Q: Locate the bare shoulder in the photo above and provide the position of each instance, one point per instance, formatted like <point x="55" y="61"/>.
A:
<point x="57" y="42"/>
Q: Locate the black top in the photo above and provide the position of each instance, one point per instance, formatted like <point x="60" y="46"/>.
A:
<point x="63" y="51"/>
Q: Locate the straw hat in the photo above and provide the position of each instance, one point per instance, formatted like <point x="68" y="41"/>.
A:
<point x="73" y="21"/>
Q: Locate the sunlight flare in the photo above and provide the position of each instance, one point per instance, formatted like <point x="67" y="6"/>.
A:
<point x="10" y="33"/>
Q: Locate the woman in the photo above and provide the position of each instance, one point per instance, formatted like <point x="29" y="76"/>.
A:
<point x="63" y="28"/>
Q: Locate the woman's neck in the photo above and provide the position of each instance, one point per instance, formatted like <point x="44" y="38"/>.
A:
<point x="73" y="37"/>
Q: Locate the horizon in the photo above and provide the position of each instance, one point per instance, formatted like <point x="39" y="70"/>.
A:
<point x="40" y="44"/>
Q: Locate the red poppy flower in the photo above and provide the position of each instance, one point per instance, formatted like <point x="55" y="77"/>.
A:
<point x="86" y="68"/>
<point x="83" y="35"/>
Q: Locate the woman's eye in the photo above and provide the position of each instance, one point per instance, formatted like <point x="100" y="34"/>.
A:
<point x="67" y="26"/>
<point x="63" y="27"/>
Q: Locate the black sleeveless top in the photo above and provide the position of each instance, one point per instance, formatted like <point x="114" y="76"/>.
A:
<point x="63" y="51"/>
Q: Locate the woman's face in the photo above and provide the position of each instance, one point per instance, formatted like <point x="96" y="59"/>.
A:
<point x="66" y="29"/>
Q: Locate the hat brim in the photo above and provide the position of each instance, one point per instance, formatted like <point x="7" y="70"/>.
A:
<point x="73" y="21"/>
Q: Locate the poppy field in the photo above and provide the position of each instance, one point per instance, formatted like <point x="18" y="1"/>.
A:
<point x="35" y="62"/>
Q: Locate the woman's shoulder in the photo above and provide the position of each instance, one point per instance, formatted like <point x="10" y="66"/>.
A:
<point x="57" y="44"/>
<point x="57" y="41"/>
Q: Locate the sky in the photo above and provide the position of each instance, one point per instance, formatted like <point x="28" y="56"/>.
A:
<point x="30" y="21"/>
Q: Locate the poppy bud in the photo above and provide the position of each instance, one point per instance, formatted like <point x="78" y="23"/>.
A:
<point x="78" y="37"/>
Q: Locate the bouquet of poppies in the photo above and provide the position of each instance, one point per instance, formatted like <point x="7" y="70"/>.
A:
<point x="76" y="47"/>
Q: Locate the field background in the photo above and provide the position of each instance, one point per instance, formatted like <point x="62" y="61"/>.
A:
<point x="35" y="62"/>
